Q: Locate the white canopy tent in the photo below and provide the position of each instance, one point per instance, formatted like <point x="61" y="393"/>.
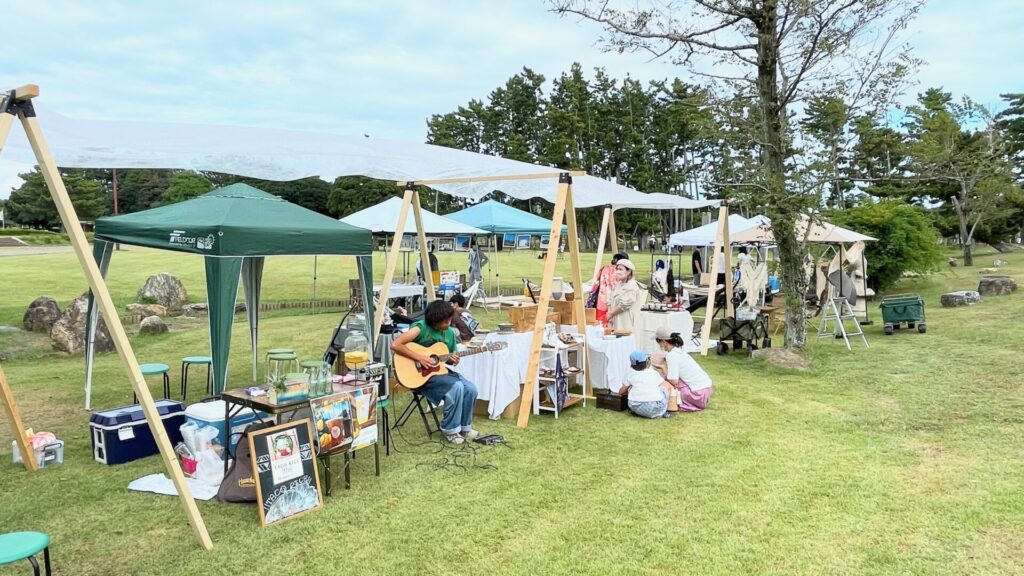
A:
<point x="705" y="235"/>
<point x="806" y="228"/>
<point x="383" y="219"/>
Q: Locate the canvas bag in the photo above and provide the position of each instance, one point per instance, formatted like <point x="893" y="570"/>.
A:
<point x="239" y="484"/>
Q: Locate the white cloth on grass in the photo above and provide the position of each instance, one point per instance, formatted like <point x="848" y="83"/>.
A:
<point x="161" y="484"/>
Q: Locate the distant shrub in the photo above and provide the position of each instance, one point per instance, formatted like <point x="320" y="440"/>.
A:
<point x="907" y="239"/>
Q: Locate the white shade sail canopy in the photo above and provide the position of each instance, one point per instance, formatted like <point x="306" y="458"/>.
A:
<point x="663" y="201"/>
<point x="814" y="231"/>
<point x="705" y="235"/>
<point x="383" y="219"/>
<point x="282" y="155"/>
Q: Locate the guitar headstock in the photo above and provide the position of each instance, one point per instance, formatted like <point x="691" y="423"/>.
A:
<point x="497" y="346"/>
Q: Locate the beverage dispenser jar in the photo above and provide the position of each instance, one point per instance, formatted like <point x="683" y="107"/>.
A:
<point x="357" y="351"/>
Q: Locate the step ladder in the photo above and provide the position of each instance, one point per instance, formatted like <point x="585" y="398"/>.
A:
<point x="837" y="311"/>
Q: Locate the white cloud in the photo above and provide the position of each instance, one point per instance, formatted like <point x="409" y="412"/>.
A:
<point x="380" y="68"/>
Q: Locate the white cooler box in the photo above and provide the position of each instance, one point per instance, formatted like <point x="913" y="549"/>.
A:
<point x="212" y="414"/>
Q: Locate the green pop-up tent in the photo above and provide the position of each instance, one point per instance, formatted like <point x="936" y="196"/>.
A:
<point x="234" y="228"/>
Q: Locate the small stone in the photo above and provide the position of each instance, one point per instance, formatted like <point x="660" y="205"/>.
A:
<point x="41" y="314"/>
<point x="988" y="271"/>
<point x="961" y="298"/>
<point x="146" y="310"/>
<point x="997" y="286"/>
<point x="239" y="307"/>
<point x="4" y="329"/>
<point x="152" y="325"/>
<point x="195" y="309"/>
<point x="999" y="263"/>
<point x="4" y="356"/>
<point x="953" y="262"/>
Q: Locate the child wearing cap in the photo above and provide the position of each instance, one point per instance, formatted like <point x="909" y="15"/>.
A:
<point x="683" y="372"/>
<point x="648" y="391"/>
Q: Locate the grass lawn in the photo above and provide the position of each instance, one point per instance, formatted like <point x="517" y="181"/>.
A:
<point x="905" y="458"/>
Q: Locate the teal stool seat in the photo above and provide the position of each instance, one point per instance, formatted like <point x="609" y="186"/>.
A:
<point x="280" y="351"/>
<point x="280" y="363"/>
<point x="187" y="362"/>
<point x="152" y="369"/>
<point x="25" y="545"/>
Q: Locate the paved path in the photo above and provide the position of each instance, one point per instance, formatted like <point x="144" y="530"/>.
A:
<point x="33" y="250"/>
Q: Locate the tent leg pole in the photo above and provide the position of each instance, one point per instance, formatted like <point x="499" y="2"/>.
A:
<point x="28" y="457"/>
<point x="428" y="274"/>
<point x="69" y="218"/>
<point x="605" y="219"/>
<point x="578" y="301"/>
<point x="389" y="268"/>
<point x="709" y="308"/>
<point x="564" y="190"/>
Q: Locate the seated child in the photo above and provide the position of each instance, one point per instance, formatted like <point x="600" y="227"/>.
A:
<point x="648" y="391"/>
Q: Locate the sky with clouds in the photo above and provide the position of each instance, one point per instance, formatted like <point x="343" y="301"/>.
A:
<point x="379" y="68"/>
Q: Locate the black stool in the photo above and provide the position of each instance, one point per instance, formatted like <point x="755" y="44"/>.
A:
<point x="417" y="403"/>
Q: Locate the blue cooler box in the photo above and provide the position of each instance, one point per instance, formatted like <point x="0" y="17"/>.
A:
<point x="122" y="434"/>
<point x="212" y="414"/>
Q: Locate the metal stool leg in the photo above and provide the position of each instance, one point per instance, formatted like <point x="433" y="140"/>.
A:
<point x="46" y="559"/>
<point x="387" y="431"/>
<point x="35" y="565"/>
<point x="184" y="380"/>
<point x="209" y="379"/>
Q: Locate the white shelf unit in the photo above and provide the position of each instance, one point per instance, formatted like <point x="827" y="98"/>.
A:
<point x="575" y="374"/>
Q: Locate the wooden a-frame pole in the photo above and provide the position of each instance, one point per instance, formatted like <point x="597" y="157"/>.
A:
<point x="19" y="102"/>
<point x="562" y="198"/>
<point x="605" y="219"/>
<point x="577" y="281"/>
<point x="28" y="457"/>
<point x="722" y="249"/>
<point x="392" y="261"/>
<point x="421" y="237"/>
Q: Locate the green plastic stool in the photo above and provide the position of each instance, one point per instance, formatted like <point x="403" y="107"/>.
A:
<point x="187" y="362"/>
<point x="25" y="545"/>
<point x="152" y="370"/>
<point x="281" y="363"/>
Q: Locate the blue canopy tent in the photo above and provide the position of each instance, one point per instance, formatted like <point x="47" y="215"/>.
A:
<point x="498" y="219"/>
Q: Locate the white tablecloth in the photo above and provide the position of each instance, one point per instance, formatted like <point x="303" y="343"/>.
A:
<point x="679" y="321"/>
<point x="401" y="290"/>
<point x="609" y="359"/>
<point x="499" y="375"/>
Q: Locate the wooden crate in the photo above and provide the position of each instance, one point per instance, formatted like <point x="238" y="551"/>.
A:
<point x="566" y="311"/>
<point x="522" y="317"/>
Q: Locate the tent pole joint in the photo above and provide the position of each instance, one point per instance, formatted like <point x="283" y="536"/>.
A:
<point x="565" y="178"/>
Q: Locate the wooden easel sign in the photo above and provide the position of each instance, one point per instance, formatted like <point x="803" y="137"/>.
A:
<point x="284" y="466"/>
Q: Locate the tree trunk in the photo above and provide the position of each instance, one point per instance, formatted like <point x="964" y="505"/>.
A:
<point x="782" y="208"/>
<point x="965" y="236"/>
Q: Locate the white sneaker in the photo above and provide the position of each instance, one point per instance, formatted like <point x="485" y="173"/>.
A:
<point x="471" y="434"/>
<point x="454" y="438"/>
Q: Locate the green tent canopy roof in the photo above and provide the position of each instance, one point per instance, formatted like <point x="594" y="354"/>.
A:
<point x="236" y="220"/>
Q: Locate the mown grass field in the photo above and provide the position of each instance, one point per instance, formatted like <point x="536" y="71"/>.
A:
<point x="905" y="458"/>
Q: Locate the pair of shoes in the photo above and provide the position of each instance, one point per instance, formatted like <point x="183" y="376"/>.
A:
<point x="470" y="434"/>
<point x="454" y="438"/>
<point x="668" y="414"/>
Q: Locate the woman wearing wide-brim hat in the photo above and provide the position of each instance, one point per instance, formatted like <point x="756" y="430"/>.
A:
<point x="625" y="299"/>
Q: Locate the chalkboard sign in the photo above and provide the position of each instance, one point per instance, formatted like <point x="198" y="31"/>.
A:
<point x="284" y="466"/>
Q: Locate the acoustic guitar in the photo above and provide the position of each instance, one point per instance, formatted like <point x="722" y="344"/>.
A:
<point x="413" y="374"/>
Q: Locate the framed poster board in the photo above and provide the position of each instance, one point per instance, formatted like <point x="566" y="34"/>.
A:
<point x="446" y="244"/>
<point x="545" y="239"/>
<point x="508" y="240"/>
<point x="462" y="243"/>
<point x="347" y="419"/>
<point x="284" y="466"/>
<point x="523" y="242"/>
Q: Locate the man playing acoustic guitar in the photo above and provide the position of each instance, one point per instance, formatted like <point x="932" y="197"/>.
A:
<point x="459" y="394"/>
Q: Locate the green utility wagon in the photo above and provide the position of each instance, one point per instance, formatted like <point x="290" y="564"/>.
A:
<point x="903" y="309"/>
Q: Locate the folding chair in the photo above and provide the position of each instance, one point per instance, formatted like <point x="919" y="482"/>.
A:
<point x="420" y="402"/>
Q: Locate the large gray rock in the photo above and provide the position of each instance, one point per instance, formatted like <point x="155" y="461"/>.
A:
<point x="68" y="333"/>
<point x="41" y="314"/>
<point x="997" y="285"/>
<point x="163" y="289"/>
<point x="961" y="298"/>
<point x="146" y="310"/>
<point x="152" y="325"/>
